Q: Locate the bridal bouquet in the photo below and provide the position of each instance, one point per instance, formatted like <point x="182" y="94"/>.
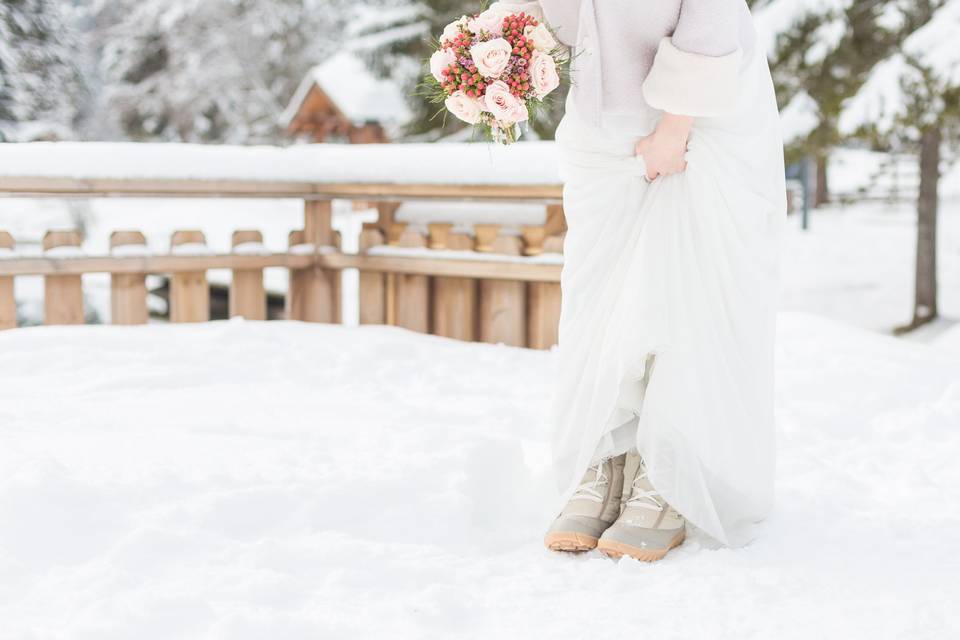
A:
<point x="495" y="69"/>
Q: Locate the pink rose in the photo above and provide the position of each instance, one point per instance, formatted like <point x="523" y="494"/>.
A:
<point x="541" y="36"/>
<point x="543" y="74"/>
<point x="504" y="106"/>
<point x="491" y="57"/>
<point x="439" y="61"/>
<point x="464" y="107"/>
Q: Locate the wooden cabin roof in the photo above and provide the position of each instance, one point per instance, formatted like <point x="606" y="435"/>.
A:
<point x="344" y="87"/>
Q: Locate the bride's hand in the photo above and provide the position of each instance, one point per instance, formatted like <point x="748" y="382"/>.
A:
<point x="663" y="150"/>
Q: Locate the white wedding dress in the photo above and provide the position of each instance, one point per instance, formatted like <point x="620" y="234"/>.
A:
<point x="680" y="274"/>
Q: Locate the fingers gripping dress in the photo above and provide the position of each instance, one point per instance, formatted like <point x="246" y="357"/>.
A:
<point x="668" y="306"/>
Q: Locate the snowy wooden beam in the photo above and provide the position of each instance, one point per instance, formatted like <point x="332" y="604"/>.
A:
<point x="493" y="267"/>
<point x="46" y="187"/>
<point x="370" y="171"/>
<point x="159" y="264"/>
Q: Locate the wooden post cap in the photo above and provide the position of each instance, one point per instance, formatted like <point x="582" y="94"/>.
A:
<point x="553" y="244"/>
<point x="394" y="232"/>
<point x="187" y="236"/>
<point x="123" y="238"/>
<point x="439" y="234"/>
<point x="243" y="236"/>
<point x="65" y="238"/>
<point x="533" y="238"/>
<point x="485" y="235"/>
<point x="296" y="237"/>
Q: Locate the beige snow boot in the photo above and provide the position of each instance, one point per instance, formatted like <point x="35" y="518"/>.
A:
<point x="648" y="527"/>
<point x="592" y="508"/>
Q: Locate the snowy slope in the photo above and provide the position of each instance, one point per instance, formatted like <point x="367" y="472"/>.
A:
<point x="251" y="480"/>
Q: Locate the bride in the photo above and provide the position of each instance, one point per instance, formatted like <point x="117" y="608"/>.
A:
<point x="674" y="197"/>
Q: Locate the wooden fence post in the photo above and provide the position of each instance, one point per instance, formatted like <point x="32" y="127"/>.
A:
<point x="372" y="286"/>
<point x="189" y="291"/>
<point x="248" y="298"/>
<point x="318" y="287"/>
<point x="62" y="295"/>
<point x="543" y="298"/>
<point x="293" y="304"/>
<point x="454" y="299"/>
<point x="8" y="304"/>
<point x="502" y="303"/>
<point x="128" y="291"/>
<point x="412" y="292"/>
<point x="556" y="222"/>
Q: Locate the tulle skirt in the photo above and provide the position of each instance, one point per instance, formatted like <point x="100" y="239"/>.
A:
<point x="668" y="308"/>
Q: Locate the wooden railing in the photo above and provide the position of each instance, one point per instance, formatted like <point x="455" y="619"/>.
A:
<point x="484" y="285"/>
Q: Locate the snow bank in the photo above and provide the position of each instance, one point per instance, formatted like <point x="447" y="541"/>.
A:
<point x="249" y="480"/>
<point x="421" y="163"/>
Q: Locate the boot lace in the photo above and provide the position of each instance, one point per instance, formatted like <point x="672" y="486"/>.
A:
<point x="640" y="497"/>
<point x="591" y="490"/>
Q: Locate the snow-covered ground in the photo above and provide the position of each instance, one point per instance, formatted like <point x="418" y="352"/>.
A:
<point x="856" y="264"/>
<point x="283" y="480"/>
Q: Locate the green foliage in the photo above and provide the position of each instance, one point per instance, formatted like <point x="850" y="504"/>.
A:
<point x="832" y="78"/>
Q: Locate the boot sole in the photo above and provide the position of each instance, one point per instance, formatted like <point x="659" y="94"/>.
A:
<point x="570" y="541"/>
<point x="616" y="550"/>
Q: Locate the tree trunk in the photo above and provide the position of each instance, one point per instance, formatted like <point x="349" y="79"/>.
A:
<point x="925" y="302"/>
<point x="823" y="190"/>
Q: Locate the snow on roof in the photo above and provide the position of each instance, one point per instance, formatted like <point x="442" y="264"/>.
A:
<point x="419" y="163"/>
<point x="356" y="91"/>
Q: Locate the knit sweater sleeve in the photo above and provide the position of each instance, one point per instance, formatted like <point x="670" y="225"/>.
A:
<point x="695" y="69"/>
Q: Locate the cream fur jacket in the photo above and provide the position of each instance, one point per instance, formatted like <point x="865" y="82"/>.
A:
<point x="679" y="56"/>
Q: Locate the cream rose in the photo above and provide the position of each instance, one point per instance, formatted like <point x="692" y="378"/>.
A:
<point x="491" y="57"/>
<point x="464" y="107"/>
<point x="490" y="20"/>
<point x="543" y="40"/>
<point x="504" y="106"/>
<point x="543" y="74"/>
<point x="440" y="60"/>
<point x="452" y="30"/>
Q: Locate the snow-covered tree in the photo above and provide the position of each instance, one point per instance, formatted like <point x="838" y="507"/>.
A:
<point x="822" y="51"/>
<point x="911" y="102"/>
<point x="40" y="84"/>
<point x="207" y="70"/>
